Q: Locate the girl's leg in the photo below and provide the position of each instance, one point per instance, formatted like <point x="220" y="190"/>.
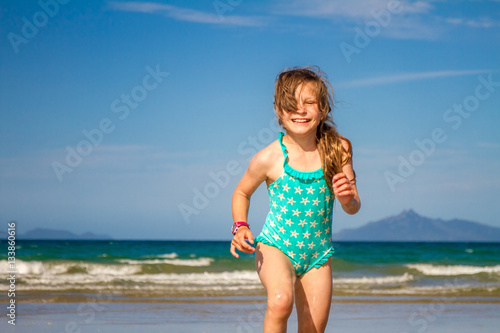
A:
<point x="278" y="277"/>
<point x="313" y="292"/>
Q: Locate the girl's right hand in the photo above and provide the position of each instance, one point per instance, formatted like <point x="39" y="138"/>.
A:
<point x="239" y="241"/>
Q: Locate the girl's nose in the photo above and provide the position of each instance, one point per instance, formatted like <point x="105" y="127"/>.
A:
<point x="300" y="108"/>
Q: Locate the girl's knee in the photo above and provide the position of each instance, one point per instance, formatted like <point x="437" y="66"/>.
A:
<point x="280" y="303"/>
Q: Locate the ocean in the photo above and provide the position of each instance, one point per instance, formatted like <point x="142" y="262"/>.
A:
<point x="172" y="270"/>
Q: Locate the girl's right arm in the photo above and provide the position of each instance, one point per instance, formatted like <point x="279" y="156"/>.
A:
<point x="256" y="173"/>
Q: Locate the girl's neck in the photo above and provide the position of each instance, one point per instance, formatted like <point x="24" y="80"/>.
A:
<point x="307" y="143"/>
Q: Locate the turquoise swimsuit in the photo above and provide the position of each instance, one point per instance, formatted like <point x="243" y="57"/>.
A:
<point x="300" y="217"/>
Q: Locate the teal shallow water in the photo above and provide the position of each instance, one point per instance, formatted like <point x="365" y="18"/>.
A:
<point x="184" y="268"/>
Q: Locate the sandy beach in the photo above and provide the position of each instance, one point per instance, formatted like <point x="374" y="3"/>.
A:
<point x="207" y="315"/>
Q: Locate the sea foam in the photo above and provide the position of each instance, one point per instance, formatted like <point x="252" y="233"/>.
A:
<point x="378" y="280"/>
<point x="453" y="270"/>
<point x="33" y="268"/>
<point x="199" y="262"/>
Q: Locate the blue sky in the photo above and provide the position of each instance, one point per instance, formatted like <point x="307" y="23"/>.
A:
<point x="137" y="119"/>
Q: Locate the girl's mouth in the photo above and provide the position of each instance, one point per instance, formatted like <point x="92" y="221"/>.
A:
<point x="301" y="120"/>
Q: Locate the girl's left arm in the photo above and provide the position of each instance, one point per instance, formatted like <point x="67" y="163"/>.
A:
<point x="344" y="188"/>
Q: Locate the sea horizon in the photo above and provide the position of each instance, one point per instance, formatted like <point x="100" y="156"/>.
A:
<point x="229" y="240"/>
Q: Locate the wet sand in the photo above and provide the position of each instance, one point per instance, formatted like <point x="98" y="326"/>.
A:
<point x="204" y="315"/>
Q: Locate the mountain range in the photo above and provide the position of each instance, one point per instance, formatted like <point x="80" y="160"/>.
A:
<point x="54" y="234"/>
<point x="409" y="226"/>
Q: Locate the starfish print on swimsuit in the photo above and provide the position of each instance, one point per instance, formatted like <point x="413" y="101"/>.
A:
<point x="300" y="217"/>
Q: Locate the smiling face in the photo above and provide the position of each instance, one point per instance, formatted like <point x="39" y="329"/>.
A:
<point x="303" y="99"/>
<point x="307" y="117"/>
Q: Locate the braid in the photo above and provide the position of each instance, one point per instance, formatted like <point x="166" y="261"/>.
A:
<point x="332" y="152"/>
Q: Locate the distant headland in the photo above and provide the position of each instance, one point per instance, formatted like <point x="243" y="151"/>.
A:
<point x="409" y="226"/>
<point x="54" y="234"/>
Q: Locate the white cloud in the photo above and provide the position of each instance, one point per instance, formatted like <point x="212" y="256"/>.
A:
<point x="419" y="20"/>
<point x="186" y="14"/>
<point x="359" y="9"/>
<point x="484" y="22"/>
<point x="409" y="20"/>
<point x="406" y="77"/>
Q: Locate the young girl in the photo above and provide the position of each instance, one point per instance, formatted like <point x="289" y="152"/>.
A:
<point x="305" y="170"/>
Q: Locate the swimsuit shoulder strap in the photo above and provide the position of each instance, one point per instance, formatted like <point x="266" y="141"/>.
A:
<point x="283" y="148"/>
<point x="296" y="173"/>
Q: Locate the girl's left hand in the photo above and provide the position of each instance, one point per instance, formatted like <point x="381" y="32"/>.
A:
<point x="343" y="188"/>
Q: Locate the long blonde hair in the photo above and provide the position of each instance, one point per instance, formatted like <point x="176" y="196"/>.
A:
<point x="329" y="142"/>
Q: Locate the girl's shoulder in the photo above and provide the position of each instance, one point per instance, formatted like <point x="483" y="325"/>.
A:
<point x="346" y="144"/>
<point x="267" y="164"/>
<point x="269" y="156"/>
